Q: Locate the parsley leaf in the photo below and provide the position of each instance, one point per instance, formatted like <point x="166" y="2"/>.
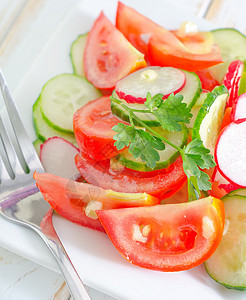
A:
<point x="170" y="112"/>
<point x="196" y="157"/>
<point x="153" y="102"/>
<point x="142" y="143"/>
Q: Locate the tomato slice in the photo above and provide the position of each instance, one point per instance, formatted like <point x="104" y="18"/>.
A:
<point x="160" y="183"/>
<point x="135" y="27"/>
<point x="166" y="50"/>
<point x="207" y="80"/>
<point x="170" y="237"/>
<point x="108" y="55"/>
<point x="93" y="129"/>
<point x="161" y="46"/>
<point x="71" y="199"/>
<point x="197" y="42"/>
<point x="227" y="119"/>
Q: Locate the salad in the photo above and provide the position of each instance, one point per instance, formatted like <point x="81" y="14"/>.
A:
<point x="144" y="123"/>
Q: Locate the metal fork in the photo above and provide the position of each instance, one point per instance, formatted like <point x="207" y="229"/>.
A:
<point x="20" y="200"/>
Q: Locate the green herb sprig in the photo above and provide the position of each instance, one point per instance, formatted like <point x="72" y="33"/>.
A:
<point x="144" y="142"/>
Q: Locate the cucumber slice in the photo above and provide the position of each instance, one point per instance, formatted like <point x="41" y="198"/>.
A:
<point x="239" y="192"/>
<point x="195" y="109"/>
<point x="227" y="265"/>
<point x="201" y="99"/>
<point x="209" y="118"/>
<point x="191" y="92"/>
<point x="167" y="156"/>
<point x="233" y="46"/>
<point x="43" y="130"/>
<point x="37" y="143"/>
<point x="62" y="96"/>
<point x="77" y="54"/>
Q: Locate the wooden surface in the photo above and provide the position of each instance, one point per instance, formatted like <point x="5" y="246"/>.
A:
<point x="20" y="22"/>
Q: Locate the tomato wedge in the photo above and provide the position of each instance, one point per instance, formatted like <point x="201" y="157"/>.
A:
<point x="161" y="183"/>
<point x="197" y="42"/>
<point x="162" y="47"/>
<point x="108" y="55"/>
<point x="71" y="199"/>
<point x="93" y="129"/>
<point x="208" y="81"/>
<point x="135" y="27"/>
<point x="170" y="237"/>
<point x="166" y="50"/>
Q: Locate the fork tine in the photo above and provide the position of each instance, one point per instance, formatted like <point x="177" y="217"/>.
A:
<point x="4" y="175"/>
<point x="21" y="135"/>
<point x="9" y="149"/>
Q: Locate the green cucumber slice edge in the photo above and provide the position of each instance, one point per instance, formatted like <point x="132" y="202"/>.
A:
<point x="227" y="265"/>
<point x="43" y="130"/>
<point x="61" y="96"/>
<point x="208" y="121"/>
<point x="232" y="44"/>
<point x="77" y="54"/>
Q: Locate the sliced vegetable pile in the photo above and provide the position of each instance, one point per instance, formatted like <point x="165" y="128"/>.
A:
<point x="149" y="113"/>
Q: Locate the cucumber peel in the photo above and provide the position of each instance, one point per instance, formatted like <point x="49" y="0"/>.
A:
<point x="195" y="109"/>
<point x="208" y="121"/>
<point x="37" y="143"/>
<point x="232" y="44"/>
<point x="77" y="54"/>
<point x="227" y="265"/>
<point x="43" y="130"/>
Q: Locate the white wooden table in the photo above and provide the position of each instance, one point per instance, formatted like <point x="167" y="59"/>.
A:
<point x="21" y="22"/>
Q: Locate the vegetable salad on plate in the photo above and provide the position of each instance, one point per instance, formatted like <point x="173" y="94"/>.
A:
<point x="145" y="142"/>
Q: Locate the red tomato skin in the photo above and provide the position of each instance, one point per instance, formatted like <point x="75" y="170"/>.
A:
<point x="227" y="119"/>
<point x="70" y="198"/>
<point x="207" y="80"/>
<point x="132" y="24"/>
<point x="70" y="209"/>
<point x="93" y="129"/>
<point x="167" y="50"/>
<point x="105" y="63"/>
<point x="184" y="217"/>
<point x="161" y="183"/>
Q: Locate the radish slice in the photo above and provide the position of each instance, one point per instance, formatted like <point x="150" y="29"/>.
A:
<point x="156" y="80"/>
<point x="240" y="108"/>
<point x="222" y="182"/>
<point x="230" y="154"/>
<point x="57" y="156"/>
<point x="218" y="177"/>
<point x="232" y="80"/>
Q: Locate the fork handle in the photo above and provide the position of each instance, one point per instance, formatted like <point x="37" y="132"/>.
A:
<point x="74" y="283"/>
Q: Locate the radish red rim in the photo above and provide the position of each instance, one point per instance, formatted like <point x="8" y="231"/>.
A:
<point x="134" y="87"/>
<point x="232" y="80"/>
<point x="239" y="111"/>
<point x="218" y="161"/>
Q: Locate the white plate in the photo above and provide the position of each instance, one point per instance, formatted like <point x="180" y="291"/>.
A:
<point x="95" y="258"/>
